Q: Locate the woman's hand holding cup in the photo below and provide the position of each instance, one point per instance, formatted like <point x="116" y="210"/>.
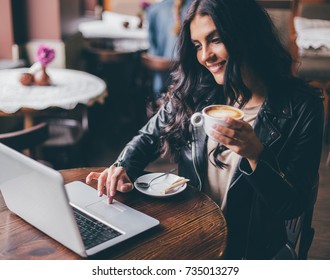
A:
<point x="224" y="124"/>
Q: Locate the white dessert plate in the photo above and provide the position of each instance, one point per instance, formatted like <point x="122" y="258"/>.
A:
<point x="158" y="186"/>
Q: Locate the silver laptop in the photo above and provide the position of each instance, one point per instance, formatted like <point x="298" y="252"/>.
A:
<point x="38" y="195"/>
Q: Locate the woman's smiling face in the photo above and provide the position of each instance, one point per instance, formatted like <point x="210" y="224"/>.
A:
<point x="210" y="50"/>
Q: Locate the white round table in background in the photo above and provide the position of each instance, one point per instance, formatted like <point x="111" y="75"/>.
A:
<point x="68" y="89"/>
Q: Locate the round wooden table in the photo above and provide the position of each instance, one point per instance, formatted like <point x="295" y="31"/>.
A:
<point x="191" y="226"/>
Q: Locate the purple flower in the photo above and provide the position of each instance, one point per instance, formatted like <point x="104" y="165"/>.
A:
<point x="45" y="54"/>
<point x="144" y="5"/>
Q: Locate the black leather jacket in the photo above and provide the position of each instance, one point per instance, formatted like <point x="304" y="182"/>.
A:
<point x="290" y="127"/>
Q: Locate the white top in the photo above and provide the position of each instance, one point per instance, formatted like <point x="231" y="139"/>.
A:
<point x="68" y="88"/>
<point x="218" y="180"/>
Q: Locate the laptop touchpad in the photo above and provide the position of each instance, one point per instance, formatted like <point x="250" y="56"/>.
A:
<point x="104" y="209"/>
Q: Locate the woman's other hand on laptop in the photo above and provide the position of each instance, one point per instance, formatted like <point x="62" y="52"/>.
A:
<point x="111" y="180"/>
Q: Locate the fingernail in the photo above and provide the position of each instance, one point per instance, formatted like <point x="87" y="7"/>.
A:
<point x="100" y="194"/>
<point x="109" y="200"/>
<point x="112" y="193"/>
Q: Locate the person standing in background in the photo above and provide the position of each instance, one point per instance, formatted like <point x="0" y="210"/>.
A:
<point x="164" y="22"/>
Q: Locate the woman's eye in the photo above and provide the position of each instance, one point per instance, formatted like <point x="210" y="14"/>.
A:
<point x="197" y="46"/>
<point x="216" y="40"/>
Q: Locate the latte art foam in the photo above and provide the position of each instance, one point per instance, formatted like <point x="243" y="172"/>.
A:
<point x="223" y="112"/>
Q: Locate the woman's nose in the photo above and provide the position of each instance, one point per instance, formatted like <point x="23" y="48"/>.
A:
<point x="207" y="54"/>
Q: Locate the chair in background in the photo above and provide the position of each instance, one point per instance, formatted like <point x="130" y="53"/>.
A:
<point x="65" y="145"/>
<point x="314" y="66"/>
<point x="11" y="63"/>
<point x="97" y="59"/>
<point x="150" y="64"/>
<point x="68" y="130"/>
<point x="119" y="115"/>
<point x="28" y="139"/>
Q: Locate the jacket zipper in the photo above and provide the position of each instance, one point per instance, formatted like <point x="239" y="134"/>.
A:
<point x="279" y="172"/>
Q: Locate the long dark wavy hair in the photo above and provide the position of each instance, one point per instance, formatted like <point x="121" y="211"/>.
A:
<point x="250" y="38"/>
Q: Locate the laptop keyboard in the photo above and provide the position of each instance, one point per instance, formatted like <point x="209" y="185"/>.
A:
<point x="92" y="231"/>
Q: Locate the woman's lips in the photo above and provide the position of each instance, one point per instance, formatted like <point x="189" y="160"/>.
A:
<point x="216" y="67"/>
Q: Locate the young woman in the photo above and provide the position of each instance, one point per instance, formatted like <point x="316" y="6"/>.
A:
<point x="264" y="171"/>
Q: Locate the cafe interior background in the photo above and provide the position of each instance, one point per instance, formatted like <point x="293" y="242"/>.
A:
<point x="92" y="134"/>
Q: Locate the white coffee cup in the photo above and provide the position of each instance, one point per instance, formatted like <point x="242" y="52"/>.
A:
<point x="215" y="114"/>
